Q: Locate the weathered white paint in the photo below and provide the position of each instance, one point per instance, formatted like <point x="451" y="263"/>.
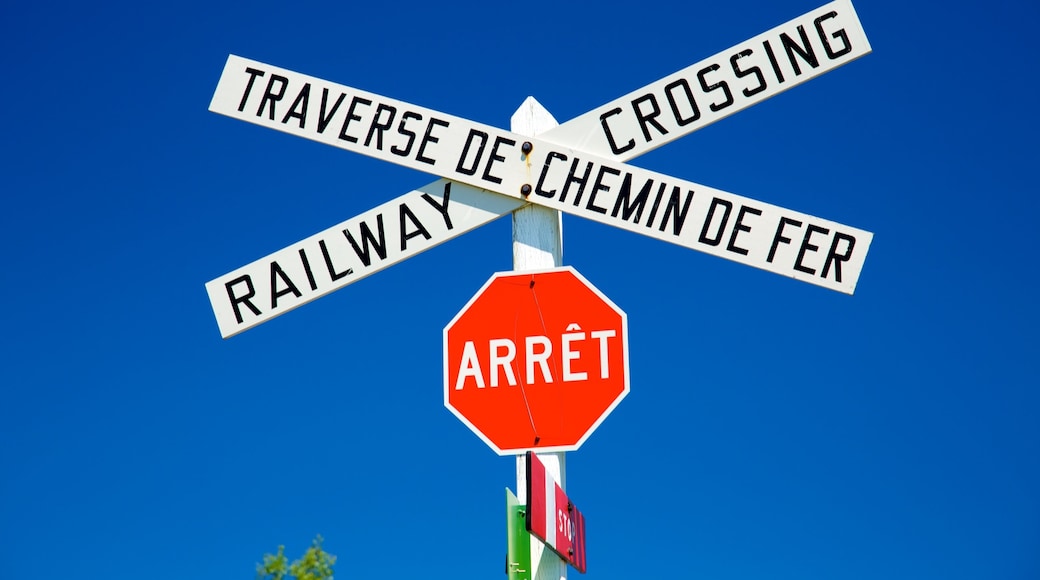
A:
<point x="537" y="230"/>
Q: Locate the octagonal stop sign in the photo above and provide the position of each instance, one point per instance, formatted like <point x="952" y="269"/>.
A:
<point x="535" y="361"/>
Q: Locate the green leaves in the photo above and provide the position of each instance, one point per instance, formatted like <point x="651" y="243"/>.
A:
<point x="316" y="564"/>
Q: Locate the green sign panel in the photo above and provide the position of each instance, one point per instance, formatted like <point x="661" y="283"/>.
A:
<point x="518" y="540"/>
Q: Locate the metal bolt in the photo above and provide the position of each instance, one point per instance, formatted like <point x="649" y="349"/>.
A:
<point x="527" y="147"/>
<point x="525" y="190"/>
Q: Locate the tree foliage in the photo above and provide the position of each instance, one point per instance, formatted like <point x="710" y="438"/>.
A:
<point x="315" y="564"/>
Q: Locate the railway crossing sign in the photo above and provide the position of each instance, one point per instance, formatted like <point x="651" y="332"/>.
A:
<point x="578" y="168"/>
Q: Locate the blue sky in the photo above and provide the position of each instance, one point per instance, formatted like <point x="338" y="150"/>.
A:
<point x="774" y="429"/>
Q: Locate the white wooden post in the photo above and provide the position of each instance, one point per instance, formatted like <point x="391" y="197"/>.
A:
<point x="537" y="245"/>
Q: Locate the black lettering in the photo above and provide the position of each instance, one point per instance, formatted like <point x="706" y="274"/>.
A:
<point x="696" y="112"/>
<point x="804" y="50"/>
<point x="649" y="117"/>
<point x="420" y="230"/>
<point x="299" y="106"/>
<point x="840" y="33"/>
<point x="740" y="227"/>
<point x="323" y="119"/>
<point x="328" y="263"/>
<point x="599" y="186"/>
<point x="442" y="208"/>
<point x="270" y="96"/>
<point x="428" y="138"/>
<point x="772" y="61"/>
<point x="307" y="269"/>
<point x="832" y="255"/>
<point x="715" y="202"/>
<point x="656" y="204"/>
<point x="366" y="238"/>
<point x="378" y="127"/>
<point x="496" y="157"/>
<point x="622" y="203"/>
<point x="244" y="299"/>
<point x="779" y="236"/>
<point x="545" y="171"/>
<point x="465" y="152"/>
<point x="751" y="71"/>
<point x="610" y="135"/>
<point x="402" y="131"/>
<point x="253" y="73"/>
<point x="719" y="85"/>
<point x="673" y="208"/>
<point x="581" y="181"/>
<point x="290" y="288"/>
<point x="352" y="117"/>
<point x="809" y="231"/>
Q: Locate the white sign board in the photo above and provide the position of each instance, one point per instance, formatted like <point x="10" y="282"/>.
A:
<point x="719" y="86"/>
<point x="349" y="251"/>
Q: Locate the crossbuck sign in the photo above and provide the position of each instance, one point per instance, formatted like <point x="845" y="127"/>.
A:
<point x="578" y="168"/>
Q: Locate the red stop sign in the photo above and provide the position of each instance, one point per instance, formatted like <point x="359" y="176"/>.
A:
<point x="535" y="361"/>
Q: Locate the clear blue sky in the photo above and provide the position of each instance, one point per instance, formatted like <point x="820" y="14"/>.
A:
<point x="774" y="429"/>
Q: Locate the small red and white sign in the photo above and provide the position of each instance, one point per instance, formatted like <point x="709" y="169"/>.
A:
<point x="552" y="517"/>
